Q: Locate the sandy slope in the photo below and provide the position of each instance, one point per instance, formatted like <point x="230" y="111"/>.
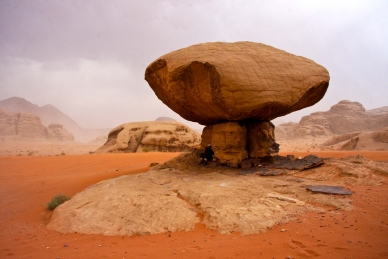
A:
<point x="27" y="183"/>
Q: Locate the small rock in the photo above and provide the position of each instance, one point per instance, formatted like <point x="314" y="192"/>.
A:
<point x="283" y="230"/>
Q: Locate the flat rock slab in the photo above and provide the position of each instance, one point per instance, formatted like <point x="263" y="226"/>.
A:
<point x="179" y="194"/>
<point x="305" y="163"/>
<point x="329" y="189"/>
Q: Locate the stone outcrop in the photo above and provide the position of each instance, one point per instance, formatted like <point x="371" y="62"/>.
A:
<point x="217" y="82"/>
<point x="30" y="126"/>
<point x="374" y="140"/>
<point x="58" y="132"/>
<point x="342" y="118"/>
<point x="235" y="89"/>
<point x="150" y="136"/>
<point x="233" y="142"/>
<point x="49" y="114"/>
<point x="168" y="198"/>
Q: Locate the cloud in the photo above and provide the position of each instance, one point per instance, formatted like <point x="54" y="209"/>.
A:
<point x="88" y="57"/>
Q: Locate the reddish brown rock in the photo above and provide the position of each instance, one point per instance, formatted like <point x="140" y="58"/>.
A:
<point x="235" y="141"/>
<point x="229" y="141"/>
<point x="217" y="82"/>
<point x="261" y="139"/>
<point x="161" y="136"/>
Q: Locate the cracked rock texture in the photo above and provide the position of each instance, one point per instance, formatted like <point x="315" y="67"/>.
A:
<point x="234" y="142"/>
<point x="161" y="136"/>
<point x="179" y="194"/>
<point x="216" y="82"/>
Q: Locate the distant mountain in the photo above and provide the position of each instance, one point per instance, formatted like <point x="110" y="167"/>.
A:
<point x="165" y="119"/>
<point x="50" y="114"/>
<point x="342" y="118"/>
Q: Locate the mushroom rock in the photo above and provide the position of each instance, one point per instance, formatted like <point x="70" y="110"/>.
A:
<point x="216" y="82"/>
<point x="242" y="83"/>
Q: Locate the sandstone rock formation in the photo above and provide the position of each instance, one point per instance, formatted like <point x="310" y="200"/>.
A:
<point x="375" y="140"/>
<point x="165" y="119"/>
<point x="99" y="140"/>
<point x="58" y="132"/>
<point x="342" y="118"/>
<point x="49" y="114"/>
<point x="233" y="142"/>
<point x="151" y="136"/>
<point x="217" y="82"/>
<point x="30" y="126"/>
<point x="170" y="198"/>
<point x="233" y="88"/>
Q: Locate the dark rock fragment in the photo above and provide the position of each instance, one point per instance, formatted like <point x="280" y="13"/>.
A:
<point x="305" y="163"/>
<point x="329" y="189"/>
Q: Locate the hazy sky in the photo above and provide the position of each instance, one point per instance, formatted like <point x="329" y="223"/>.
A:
<point x="88" y="58"/>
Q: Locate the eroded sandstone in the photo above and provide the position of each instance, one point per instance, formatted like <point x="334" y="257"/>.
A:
<point x="161" y="136"/>
<point x="217" y="82"/>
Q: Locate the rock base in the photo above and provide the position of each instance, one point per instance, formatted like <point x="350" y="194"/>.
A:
<point x="234" y="142"/>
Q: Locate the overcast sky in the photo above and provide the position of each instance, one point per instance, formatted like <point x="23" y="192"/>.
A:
<point x="88" y="58"/>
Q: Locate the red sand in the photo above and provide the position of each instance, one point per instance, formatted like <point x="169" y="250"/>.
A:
<point x="28" y="183"/>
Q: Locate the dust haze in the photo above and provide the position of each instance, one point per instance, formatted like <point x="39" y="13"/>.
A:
<point x="88" y="58"/>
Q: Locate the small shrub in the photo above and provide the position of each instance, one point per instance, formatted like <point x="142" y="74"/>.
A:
<point x="146" y="149"/>
<point x="56" y="201"/>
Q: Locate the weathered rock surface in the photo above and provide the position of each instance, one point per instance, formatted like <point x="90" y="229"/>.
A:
<point x="217" y="82"/>
<point x="375" y="140"/>
<point x="151" y="136"/>
<point x="235" y="141"/>
<point x="342" y="118"/>
<point x="58" y="132"/>
<point x="30" y="126"/>
<point x="179" y="194"/>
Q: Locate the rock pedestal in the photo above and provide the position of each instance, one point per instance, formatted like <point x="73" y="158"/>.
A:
<point x="235" y="141"/>
<point x="235" y="89"/>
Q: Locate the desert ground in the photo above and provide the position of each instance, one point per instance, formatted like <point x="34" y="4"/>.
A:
<point x="29" y="181"/>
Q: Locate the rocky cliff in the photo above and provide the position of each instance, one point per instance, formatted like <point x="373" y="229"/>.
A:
<point x="49" y="114"/>
<point x="342" y="118"/>
<point x="30" y="126"/>
<point x="147" y="136"/>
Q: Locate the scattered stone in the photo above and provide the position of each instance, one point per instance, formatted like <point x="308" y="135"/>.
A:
<point x="328" y="189"/>
<point x="283" y="230"/>
<point x="305" y="163"/>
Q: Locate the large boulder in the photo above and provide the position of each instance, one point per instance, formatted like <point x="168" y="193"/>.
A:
<point x="150" y="136"/>
<point x="217" y="82"/>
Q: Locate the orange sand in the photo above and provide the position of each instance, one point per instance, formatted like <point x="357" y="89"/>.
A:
<point x="28" y="183"/>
